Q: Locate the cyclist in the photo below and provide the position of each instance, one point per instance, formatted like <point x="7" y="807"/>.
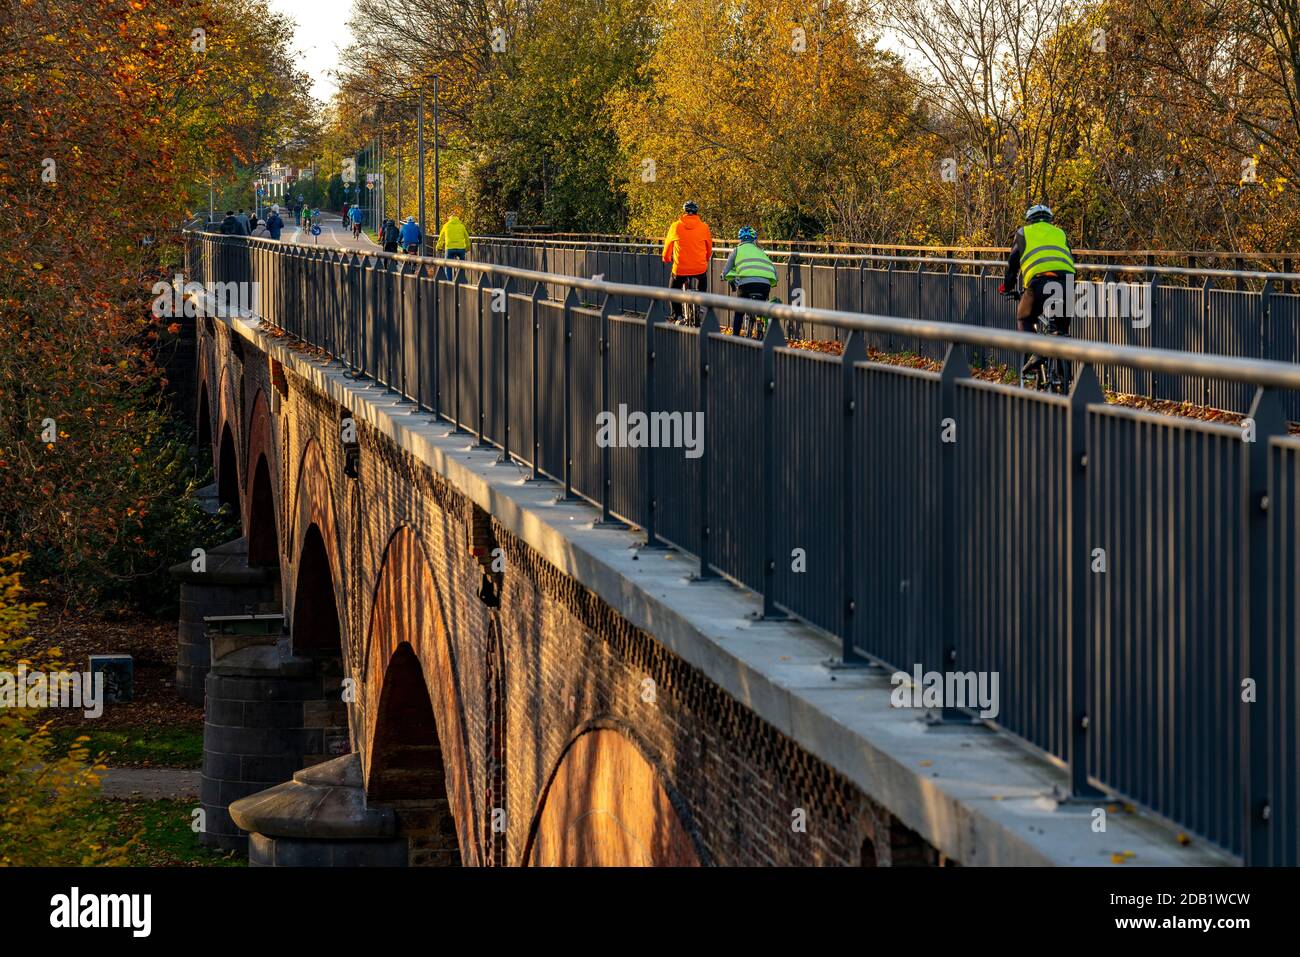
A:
<point x="410" y="236"/>
<point x="454" y="238"/>
<point x="1040" y="257"/>
<point x="355" y="214"/>
<point x="388" y="236"/>
<point x="750" y="271"/>
<point x="689" y="247"/>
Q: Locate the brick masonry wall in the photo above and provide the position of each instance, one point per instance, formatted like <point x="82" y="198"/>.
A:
<point x="571" y="663"/>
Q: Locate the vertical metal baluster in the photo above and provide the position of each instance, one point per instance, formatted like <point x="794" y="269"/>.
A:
<point x="650" y="506"/>
<point x="506" y="289"/>
<point x="705" y="348"/>
<point x="1257" y="832"/>
<point x="570" y="302"/>
<point x="855" y="351"/>
<point x="606" y="520"/>
<point x="1086" y="392"/>
<point x="773" y="340"/>
<point x="954" y="368"/>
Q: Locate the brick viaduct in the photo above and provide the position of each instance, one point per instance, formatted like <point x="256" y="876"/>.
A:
<point x="492" y="687"/>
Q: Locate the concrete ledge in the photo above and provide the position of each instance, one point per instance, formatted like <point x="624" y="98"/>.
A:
<point x="976" y="795"/>
<point x="322" y="803"/>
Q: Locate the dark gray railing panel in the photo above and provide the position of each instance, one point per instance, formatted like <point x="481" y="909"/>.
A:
<point x="627" y="392"/>
<point x="1012" y="512"/>
<point x="1233" y="328"/>
<point x="1279" y="680"/>
<point x="587" y="402"/>
<point x="897" y="589"/>
<point x="735" y="409"/>
<point x="520" y="371"/>
<point x="677" y="478"/>
<point x="550" y="395"/>
<point x="1166" y="510"/>
<point x="809" y="488"/>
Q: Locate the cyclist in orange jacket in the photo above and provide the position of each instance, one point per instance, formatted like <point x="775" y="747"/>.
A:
<point x="689" y="247"/>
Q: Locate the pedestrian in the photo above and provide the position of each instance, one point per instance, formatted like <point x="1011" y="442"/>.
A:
<point x="274" y="224"/>
<point x="261" y="232"/>
<point x="231" y="226"/>
<point x="243" y="221"/>
<point x="252" y="222"/>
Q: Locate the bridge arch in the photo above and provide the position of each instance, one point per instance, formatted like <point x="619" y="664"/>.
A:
<point x="318" y="592"/>
<point x="260" y="523"/>
<point x="228" y="471"/>
<point x="408" y="628"/>
<point x="203" y="424"/>
<point x="229" y="485"/>
<point x="495" y="790"/>
<point x="607" y="805"/>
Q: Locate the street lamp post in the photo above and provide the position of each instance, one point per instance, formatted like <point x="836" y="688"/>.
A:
<point x="437" y="144"/>
<point x="419" y="150"/>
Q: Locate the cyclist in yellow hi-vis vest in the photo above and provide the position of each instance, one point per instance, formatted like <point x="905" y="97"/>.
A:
<point x="1039" y="262"/>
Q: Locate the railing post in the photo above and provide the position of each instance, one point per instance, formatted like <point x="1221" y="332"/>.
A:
<point x="651" y="505"/>
<point x="506" y="288"/>
<point x="855" y="351"/>
<point x="418" y="313"/>
<point x="457" y="283"/>
<point x="538" y="290"/>
<point x="954" y="368"/>
<point x="435" y="334"/>
<point x="484" y="282"/>
<point x="1268" y="420"/>
<point x="1086" y="392"/>
<point x="570" y="302"/>
<point x="705" y="346"/>
<point x="1265" y="294"/>
<point x="950" y="310"/>
<point x="773" y="340"/>
<point x="606" y="520"/>
<point x="920" y="271"/>
<point x="1206" y="287"/>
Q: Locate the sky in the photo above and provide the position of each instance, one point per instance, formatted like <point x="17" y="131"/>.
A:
<point x="322" y="32"/>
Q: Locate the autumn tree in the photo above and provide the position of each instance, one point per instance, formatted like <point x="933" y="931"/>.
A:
<point x="783" y="115"/>
<point x="112" y="113"/>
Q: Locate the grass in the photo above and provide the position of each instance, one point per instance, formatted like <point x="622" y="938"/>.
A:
<point x="147" y="747"/>
<point x="165" y="837"/>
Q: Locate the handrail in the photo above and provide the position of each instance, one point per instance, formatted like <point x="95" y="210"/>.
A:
<point x="1126" y="268"/>
<point x="998" y="250"/>
<point x="1264" y="372"/>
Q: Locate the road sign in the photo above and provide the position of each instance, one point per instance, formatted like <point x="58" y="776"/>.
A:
<point x="261" y="191"/>
<point x="315" y="230"/>
<point x="370" y="185"/>
<point x="511" y="218"/>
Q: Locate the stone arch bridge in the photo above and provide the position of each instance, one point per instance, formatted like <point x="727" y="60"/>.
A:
<point x="471" y="669"/>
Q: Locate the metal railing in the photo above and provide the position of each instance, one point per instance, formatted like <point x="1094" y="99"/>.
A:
<point x="1183" y="308"/>
<point x="1125" y="574"/>
<point x="1236" y="261"/>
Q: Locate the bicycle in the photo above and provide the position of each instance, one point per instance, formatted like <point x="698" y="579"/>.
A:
<point x="1051" y="374"/>
<point x="356" y="230"/>
<point x="757" y="324"/>
<point x="692" y="314"/>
